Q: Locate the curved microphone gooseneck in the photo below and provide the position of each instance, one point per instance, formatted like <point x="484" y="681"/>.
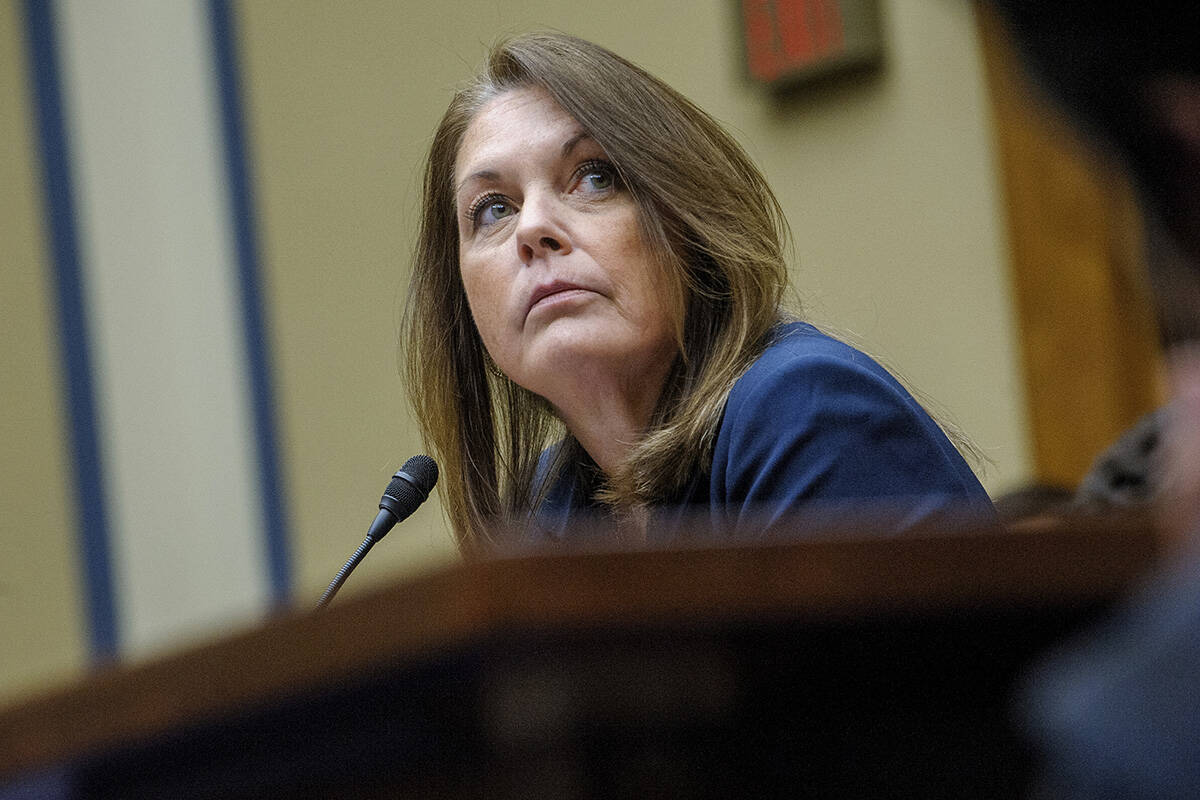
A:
<point x="409" y="488"/>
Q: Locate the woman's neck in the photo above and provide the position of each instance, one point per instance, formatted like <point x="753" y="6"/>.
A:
<point x="607" y="423"/>
<point x="607" y="415"/>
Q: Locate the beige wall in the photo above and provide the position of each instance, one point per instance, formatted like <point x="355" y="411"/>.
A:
<point x="887" y="180"/>
<point x="41" y="605"/>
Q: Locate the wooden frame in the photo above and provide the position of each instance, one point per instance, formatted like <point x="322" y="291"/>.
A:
<point x="1089" y="342"/>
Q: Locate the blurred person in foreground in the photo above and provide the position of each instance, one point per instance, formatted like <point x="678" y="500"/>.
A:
<point x="596" y="330"/>
<point x="1119" y="715"/>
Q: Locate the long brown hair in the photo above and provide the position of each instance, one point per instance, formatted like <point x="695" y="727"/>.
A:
<point x="703" y="207"/>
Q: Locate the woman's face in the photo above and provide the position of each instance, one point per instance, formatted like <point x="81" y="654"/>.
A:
<point x="560" y="281"/>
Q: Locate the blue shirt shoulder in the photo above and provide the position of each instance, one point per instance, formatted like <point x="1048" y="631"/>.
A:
<point x="813" y="425"/>
<point x="815" y="421"/>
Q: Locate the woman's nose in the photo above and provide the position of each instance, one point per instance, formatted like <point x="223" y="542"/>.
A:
<point x="542" y="229"/>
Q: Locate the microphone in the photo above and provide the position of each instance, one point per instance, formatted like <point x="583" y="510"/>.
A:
<point x="410" y="487"/>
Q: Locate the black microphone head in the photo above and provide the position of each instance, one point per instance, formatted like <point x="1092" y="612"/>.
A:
<point x="410" y="486"/>
<point x="422" y="472"/>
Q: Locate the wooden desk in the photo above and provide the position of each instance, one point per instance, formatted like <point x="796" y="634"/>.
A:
<point x="866" y="667"/>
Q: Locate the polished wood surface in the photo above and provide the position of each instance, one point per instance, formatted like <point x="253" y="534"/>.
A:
<point x="825" y="581"/>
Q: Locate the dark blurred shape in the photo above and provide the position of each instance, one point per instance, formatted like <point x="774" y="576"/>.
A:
<point x="1129" y="473"/>
<point x="1119" y="715"/>
<point x="1127" y="73"/>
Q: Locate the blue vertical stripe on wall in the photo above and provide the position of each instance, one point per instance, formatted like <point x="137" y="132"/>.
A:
<point x="85" y="486"/>
<point x="274" y="507"/>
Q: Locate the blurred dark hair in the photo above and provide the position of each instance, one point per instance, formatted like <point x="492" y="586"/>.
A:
<point x="1104" y="62"/>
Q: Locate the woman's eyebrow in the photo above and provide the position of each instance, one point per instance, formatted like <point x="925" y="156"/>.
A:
<point x="481" y="175"/>
<point x="569" y="145"/>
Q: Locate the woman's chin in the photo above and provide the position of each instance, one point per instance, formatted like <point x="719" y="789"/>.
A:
<point x="576" y="336"/>
<point x="578" y="352"/>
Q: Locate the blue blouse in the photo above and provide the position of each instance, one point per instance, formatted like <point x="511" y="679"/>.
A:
<point x="814" y="429"/>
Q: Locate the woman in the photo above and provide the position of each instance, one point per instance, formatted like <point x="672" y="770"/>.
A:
<point x="595" y="321"/>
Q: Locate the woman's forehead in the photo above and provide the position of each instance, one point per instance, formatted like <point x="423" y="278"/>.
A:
<point x="515" y="122"/>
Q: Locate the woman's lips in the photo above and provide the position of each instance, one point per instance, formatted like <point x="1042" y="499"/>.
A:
<point x="551" y="290"/>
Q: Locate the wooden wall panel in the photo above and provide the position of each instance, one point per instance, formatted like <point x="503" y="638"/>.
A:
<point x="1089" y="343"/>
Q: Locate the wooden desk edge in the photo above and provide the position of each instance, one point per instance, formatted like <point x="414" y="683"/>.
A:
<point x="302" y="651"/>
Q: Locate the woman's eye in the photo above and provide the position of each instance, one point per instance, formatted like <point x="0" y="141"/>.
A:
<point x="490" y="210"/>
<point x="597" y="176"/>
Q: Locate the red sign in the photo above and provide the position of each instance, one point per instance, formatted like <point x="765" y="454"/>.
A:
<point x="787" y="36"/>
